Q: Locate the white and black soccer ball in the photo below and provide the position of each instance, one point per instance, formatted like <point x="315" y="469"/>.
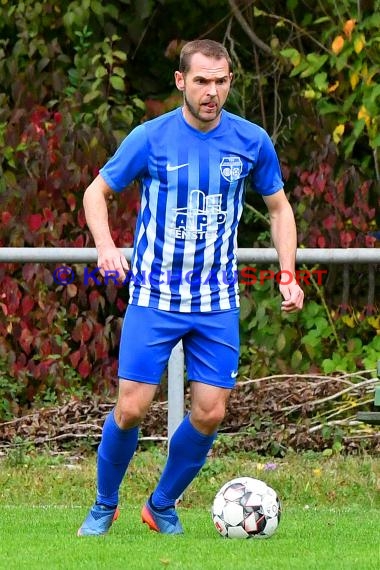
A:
<point x="246" y="508"/>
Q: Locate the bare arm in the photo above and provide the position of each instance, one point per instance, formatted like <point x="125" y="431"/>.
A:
<point x="95" y="207"/>
<point x="284" y="235"/>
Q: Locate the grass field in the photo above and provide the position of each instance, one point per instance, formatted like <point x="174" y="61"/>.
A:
<point x="331" y="515"/>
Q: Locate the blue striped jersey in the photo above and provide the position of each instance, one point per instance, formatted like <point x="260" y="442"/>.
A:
<point x="192" y="194"/>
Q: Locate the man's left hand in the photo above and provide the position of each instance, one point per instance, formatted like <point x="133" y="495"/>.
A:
<point x="293" y="297"/>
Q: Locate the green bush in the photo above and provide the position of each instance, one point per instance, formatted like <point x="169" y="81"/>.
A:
<point x="317" y="339"/>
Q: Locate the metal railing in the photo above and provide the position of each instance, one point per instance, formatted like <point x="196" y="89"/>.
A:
<point x="245" y="255"/>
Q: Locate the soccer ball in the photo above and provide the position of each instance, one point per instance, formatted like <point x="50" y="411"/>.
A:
<point x="246" y="508"/>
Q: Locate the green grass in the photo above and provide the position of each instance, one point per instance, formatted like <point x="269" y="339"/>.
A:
<point x="37" y="537"/>
<point x="331" y="509"/>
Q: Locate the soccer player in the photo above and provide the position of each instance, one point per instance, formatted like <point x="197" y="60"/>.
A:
<point x="193" y="164"/>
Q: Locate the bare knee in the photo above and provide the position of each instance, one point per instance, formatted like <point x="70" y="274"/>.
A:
<point x="208" y="408"/>
<point x="207" y="420"/>
<point x="126" y="416"/>
<point x="133" y="403"/>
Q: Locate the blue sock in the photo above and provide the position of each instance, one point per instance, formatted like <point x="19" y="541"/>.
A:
<point x="115" y="451"/>
<point x="188" y="450"/>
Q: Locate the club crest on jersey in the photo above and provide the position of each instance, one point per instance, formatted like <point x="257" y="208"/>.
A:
<point x="231" y="168"/>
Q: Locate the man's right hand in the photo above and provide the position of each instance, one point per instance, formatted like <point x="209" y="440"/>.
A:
<point x="111" y="259"/>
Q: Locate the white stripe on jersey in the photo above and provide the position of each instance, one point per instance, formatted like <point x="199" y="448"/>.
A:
<point x="168" y="249"/>
<point x="150" y="232"/>
<point x="225" y="302"/>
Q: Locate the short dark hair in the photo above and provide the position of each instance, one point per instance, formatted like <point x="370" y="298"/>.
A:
<point x="208" y="48"/>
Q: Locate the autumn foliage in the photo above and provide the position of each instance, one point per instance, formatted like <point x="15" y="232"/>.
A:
<point x="74" y="80"/>
<point x="55" y="339"/>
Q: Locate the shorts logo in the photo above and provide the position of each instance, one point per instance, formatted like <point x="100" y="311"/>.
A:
<point x="231" y="167"/>
<point x="234" y="373"/>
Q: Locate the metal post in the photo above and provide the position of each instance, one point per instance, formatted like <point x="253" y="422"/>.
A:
<point x="176" y="391"/>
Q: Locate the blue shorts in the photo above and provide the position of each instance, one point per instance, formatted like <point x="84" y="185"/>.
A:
<point x="210" y="344"/>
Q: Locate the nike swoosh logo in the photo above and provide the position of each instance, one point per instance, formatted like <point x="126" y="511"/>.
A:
<point x="234" y="374"/>
<point x="170" y="168"/>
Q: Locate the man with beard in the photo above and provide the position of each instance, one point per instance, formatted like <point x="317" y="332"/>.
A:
<point x="193" y="165"/>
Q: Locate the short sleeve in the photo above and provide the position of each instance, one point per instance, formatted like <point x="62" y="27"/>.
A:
<point x="129" y="161"/>
<point x="266" y="176"/>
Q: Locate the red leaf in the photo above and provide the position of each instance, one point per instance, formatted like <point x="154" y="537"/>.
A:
<point x="46" y="348"/>
<point x="321" y="242"/>
<point x="126" y="240"/>
<point x="25" y="340"/>
<point x="82" y="331"/>
<point x="12" y="297"/>
<point x="79" y="241"/>
<point x="81" y="218"/>
<point x="27" y="304"/>
<point x="5" y="218"/>
<point x="101" y="349"/>
<point x="77" y="331"/>
<point x="86" y="331"/>
<point x="72" y="201"/>
<point x="35" y="222"/>
<point x="84" y="368"/>
<point x="4" y="308"/>
<point x="28" y="271"/>
<point x="96" y="299"/>
<point x="46" y="367"/>
<point x="308" y="191"/>
<point x="370" y="241"/>
<point x="48" y="214"/>
<point x="39" y="113"/>
<point x="329" y="222"/>
<point x="115" y="232"/>
<point x="120" y="304"/>
<point x="74" y="358"/>
<point x="73" y="310"/>
<point x="346" y="238"/>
